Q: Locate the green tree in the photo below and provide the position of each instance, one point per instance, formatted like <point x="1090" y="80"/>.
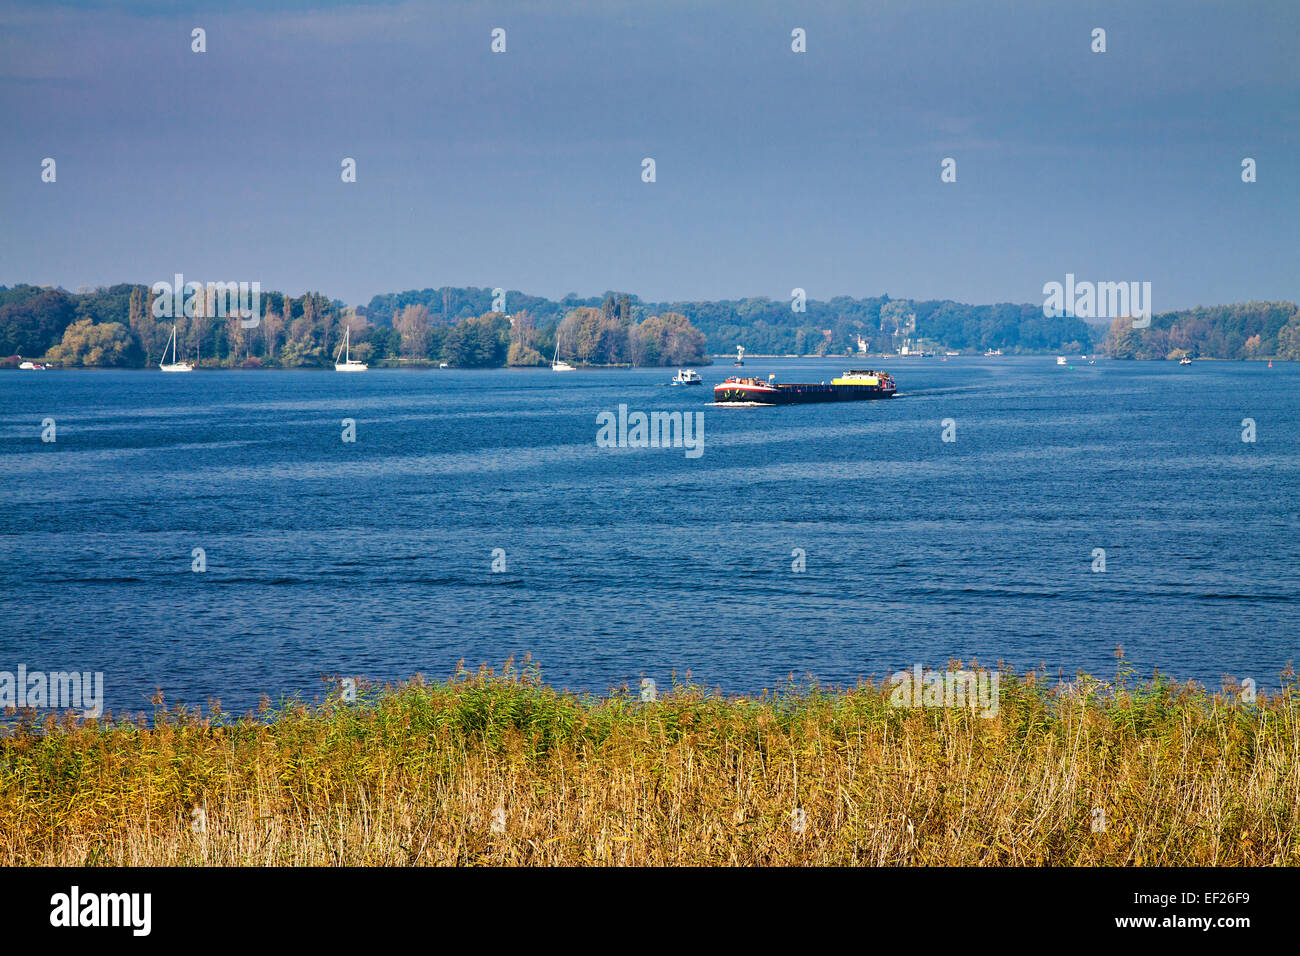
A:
<point x="668" y="339"/>
<point x="106" y="345"/>
<point x="413" y="324"/>
<point x="524" y="339"/>
<point x="32" y="319"/>
<point x="481" y="342"/>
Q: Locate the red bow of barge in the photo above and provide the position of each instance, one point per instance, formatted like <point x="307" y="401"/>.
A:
<point x="855" y="385"/>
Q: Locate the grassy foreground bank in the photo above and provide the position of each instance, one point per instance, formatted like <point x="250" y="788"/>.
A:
<point x="1087" y="773"/>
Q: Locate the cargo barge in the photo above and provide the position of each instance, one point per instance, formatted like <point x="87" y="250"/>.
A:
<point x="855" y="385"/>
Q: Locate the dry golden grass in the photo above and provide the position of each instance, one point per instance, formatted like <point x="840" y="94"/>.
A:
<point x="413" y="775"/>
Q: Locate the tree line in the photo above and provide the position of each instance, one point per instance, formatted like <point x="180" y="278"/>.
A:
<point x="773" y="327"/>
<point x="117" y="327"/>
<point x="466" y="327"/>
<point x="1247" y="330"/>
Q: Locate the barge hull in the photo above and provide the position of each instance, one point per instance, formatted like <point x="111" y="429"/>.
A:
<point x="796" y="394"/>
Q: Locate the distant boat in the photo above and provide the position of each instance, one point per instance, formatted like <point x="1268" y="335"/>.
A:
<point x="345" y="349"/>
<point x="687" y="376"/>
<point x="1185" y="360"/>
<point x="854" y="385"/>
<point x="740" y="355"/>
<point x="173" y="365"/>
<point x="1060" y="360"/>
<point x="556" y="364"/>
<point x="443" y="365"/>
<point x="31" y="366"/>
<point x="992" y="352"/>
<point x="950" y="354"/>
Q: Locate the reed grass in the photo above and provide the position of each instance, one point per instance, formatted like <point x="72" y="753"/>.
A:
<point x="413" y="774"/>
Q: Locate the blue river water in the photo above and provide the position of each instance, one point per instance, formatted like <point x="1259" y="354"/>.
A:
<point x="375" y="557"/>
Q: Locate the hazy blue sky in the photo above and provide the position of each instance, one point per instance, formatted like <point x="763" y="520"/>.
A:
<point x="775" y="169"/>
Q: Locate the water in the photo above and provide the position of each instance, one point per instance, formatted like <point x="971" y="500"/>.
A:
<point x="374" y="558"/>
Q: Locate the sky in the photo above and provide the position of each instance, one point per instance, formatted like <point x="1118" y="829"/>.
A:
<point x="773" y="169"/>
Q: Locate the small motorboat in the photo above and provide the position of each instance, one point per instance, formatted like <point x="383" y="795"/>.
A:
<point x="31" y="366"/>
<point x="1185" y="360"/>
<point x="687" y="376"/>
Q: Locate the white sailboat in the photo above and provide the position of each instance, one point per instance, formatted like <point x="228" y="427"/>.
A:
<point x="556" y="364"/>
<point x="345" y="349"/>
<point x="173" y="365"/>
